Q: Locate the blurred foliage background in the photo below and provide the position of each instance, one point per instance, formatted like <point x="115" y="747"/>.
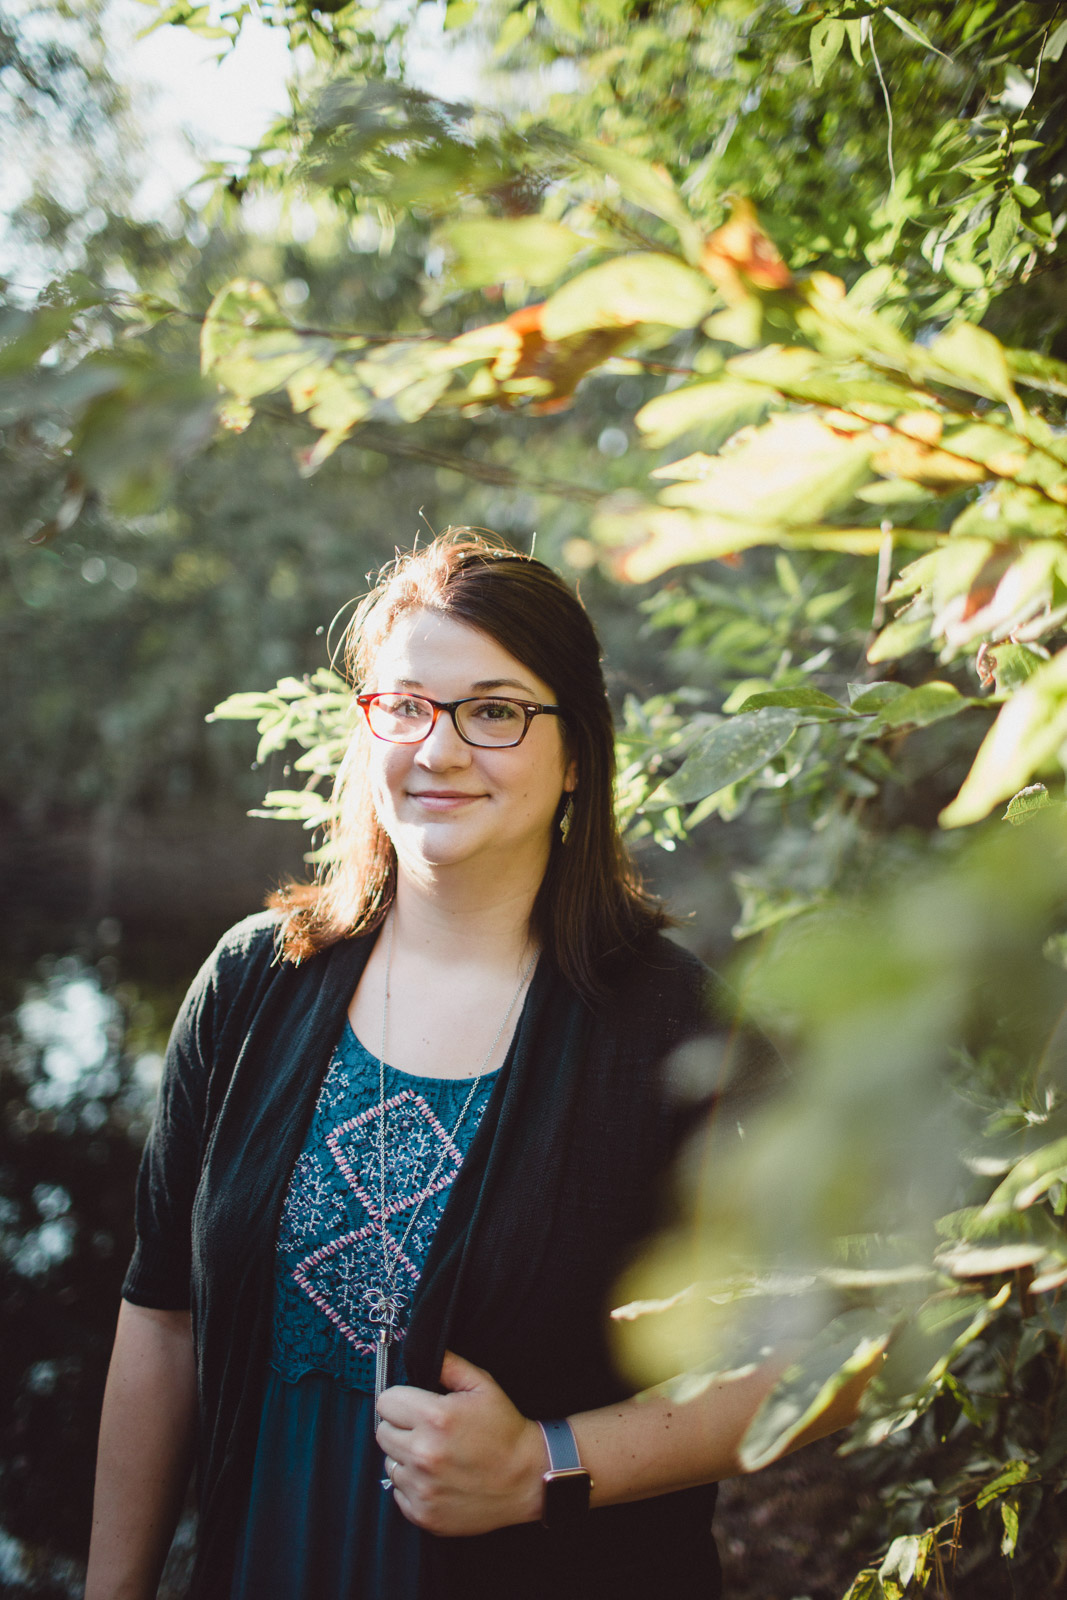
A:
<point x="751" y="313"/>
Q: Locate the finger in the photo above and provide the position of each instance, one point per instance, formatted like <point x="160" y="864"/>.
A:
<point x="406" y="1407"/>
<point x="394" y="1443"/>
<point x="459" y="1374"/>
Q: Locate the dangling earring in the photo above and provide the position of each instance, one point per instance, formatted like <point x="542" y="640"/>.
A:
<point x="565" y="818"/>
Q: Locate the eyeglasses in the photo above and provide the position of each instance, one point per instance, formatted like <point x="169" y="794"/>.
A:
<point x="482" y="720"/>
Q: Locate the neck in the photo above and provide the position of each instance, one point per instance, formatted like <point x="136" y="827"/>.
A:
<point x="459" y="923"/>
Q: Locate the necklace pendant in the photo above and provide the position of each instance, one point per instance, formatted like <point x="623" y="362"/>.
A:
<point x="381" y="1368"/>
<point x="384" y="1308"/>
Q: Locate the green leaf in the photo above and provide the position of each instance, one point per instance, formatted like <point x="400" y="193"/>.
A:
<point x="919" y="707"/>
<point x="1027" y="803"/>
<point x="793" y="471"/>
<point x="1009" y="1515"/>
<point x="824" y="41"/>
<point x="854" y="30"/>
<point x="1056" y="44"/>
<point x="728" y="753"/>
<point x="514" y="29"/>
<point x="972" y="359"/>
<point x="1031" y="1177"/>
<point x="1015" y="1472"/>
<point x="249" y="346"/>
<point x="867" y="1585"/>
<point x="1028" y="735"/>
<point x="334" y="401"/>
<point x="848" y="1345"/>
<point x="913" y="32"/>
<point x="488" y="250"/>
<point x="1041" y="372"/>
<point x="245" y="707"/>
<point x="900" y="638"/>
<point x="459" y="13"/>
<point x="802" y="699"/>
<point x="629" y="290"/>
<point x="721" y="407"/>
<point x="1014" y="664"/>
<point x="650" y="186"/>
<point x="866" y="697"/>
<point x="1005" y="231"/>
<point x="924" y="1348"/>
<point x="564" y="14"/>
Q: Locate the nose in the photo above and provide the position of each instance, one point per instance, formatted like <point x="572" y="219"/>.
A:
<point x="442" y="746"/>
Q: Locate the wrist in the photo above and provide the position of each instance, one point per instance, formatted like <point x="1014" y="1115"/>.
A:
<point x="532" y="1461"/>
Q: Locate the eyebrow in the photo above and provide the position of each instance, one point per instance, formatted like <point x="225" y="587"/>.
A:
<point x="483" y="686"/>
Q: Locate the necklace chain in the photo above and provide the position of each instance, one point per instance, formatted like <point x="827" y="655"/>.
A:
<point x="389" y="1300"/>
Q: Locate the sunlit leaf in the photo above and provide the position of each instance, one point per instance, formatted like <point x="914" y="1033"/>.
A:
<point x="899" y="638"/>
<point x="1015" y="1472"/>
<point x="1043" y="372"/>
<point x="921" y="1352"/>
<point x="1009" y="1514"/>
<point x="824" y="42"/>
<point x="1028" y="735"/>
<point x="851" y="1344"/>
<point x="514" y="29"/>
<point x="649" y="186"/>
<point x="866" y="1586"/>
<point x="1014" y="664"/>
<point x="904" y="1561"/>
<point x="1034" y="1175"/>
<point x="719" y="407"/>
<point x="249" y="346"/>
<point x="565" y="14"/>
<point x="487" y="250"/>
<point x="972" y="358"/>
<point x="794" y="470"/>
<point x="1005" y="230"/>
<point x="334" y="401"/>
<point x="913" y="32"/>
<point x="627" y="291"/>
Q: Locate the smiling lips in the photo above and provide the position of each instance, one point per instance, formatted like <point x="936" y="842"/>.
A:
<point x="442" y="799"/>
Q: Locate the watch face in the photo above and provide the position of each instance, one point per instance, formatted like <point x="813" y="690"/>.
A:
<point x="566" y="1498"/>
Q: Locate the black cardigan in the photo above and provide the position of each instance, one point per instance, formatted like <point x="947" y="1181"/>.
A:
<point x="561" y="1183"/>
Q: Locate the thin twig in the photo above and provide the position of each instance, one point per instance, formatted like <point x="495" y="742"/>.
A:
<point x="387" y="444"/>
<point x="888" y="107"/>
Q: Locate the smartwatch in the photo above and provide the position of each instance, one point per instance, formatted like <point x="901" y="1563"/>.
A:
<point x="567" y="1484"/>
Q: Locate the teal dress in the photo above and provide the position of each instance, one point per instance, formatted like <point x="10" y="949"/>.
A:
<point x="318" y="1524"/>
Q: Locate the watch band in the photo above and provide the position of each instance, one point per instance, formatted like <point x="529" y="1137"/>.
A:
<point x="567" y="1484"/>
<point x="561" y="1445"/>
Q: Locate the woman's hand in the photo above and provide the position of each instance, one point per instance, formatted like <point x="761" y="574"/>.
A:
<point x="464" y="1462"/>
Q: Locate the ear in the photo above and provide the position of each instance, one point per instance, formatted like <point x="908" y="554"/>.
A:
<point x="570" y="777"/>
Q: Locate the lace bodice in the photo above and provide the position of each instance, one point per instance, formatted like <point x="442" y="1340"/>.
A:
<point x="330" y="1247"/>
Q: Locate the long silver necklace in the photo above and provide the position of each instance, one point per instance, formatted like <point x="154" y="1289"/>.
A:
<point x="385" y="1301"/>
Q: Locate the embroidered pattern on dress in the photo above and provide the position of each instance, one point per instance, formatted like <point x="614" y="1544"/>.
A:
<point x="329" y="1241"/>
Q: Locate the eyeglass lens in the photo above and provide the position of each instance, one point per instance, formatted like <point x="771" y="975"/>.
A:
<point x="405" y="719"/>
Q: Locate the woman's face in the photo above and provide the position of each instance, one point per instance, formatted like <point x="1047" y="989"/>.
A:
<point x="446" y="803"/>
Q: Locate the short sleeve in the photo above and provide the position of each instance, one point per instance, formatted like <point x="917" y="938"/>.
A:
<point x="159" y="1272"/>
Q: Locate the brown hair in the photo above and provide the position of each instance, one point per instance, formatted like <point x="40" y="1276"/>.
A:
<point x="591" y="901"/>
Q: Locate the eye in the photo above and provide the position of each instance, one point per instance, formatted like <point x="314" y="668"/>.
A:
<point x="501" y="713"/>
<point x="399" y="705"/>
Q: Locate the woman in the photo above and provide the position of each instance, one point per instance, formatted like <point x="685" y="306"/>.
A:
<point x="473" y="1008"/>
